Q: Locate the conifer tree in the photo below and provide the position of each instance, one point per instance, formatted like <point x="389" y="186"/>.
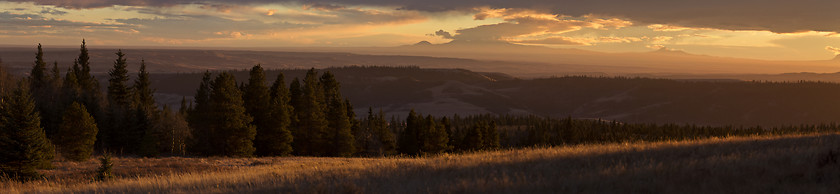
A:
<point x="435" y="140"/>
<point x="337" y="118"/>
<point x="228" y="119"/>
<point x="104" y="172"/>
<point x="386" y="136"/>
<point x="199" y="117"/>
<point x="473" y="139"/>
<point x="185" y="108"/>
<point x="312" y="137"/>
<point x="77" y="134"/>
<point x="276" y="138"/>
<point x="38" y="75"/>
<point x="257" y="100"/>
<point x="144" y="94"/>
<point x="119" y="130"/>
<point x="44" y="92"/>
<point x="89" y="93"/>
<point x="25" y="147"/>
<point x="145" y="112"/>
<point x="409" y="137"/>
<point x="491" y="136"/>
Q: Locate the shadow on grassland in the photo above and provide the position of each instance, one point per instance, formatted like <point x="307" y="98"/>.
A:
<point x="789" y="165"/>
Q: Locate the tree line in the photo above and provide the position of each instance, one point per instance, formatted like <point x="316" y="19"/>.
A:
<point x="46" y="115"/>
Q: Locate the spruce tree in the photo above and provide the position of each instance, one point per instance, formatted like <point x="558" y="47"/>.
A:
<point x="386" y="136"/>
<point x="44" y="93"/>
<point x="119" y="130"/>
<point x="473" y="139"/>
<point x="228" y="119"/>
<point x="89" y="94"/>
<point x="257" y="100"/>
<point x="313" y="137"/>
<point x="409" y="137"/>
<point x="38" y="75"/>
<point x="144" y="94"/>
<point x="145" y="112"/>
<point x="25" y="146"/>
<point x="199" y="118"/>
<point x="77" y="134"/>
<point x="435" y="140"/>
<point x="104" y="172"/>
<point x="337" y="118"/>
<point x="491" y="136"/>
<point x="276" y="138"/>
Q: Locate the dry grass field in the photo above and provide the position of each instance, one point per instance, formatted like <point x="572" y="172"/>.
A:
<point x="769" y="164"/>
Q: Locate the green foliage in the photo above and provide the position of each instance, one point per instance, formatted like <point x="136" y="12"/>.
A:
<point x="120" y="129"/>
<point x="104" y="172"/>
<point x="45" y="89"/>
<point x="276" y="138"/>
<point x="144" y="94"/>
<point x="38" y="75"/>
<point x="24" y="145"/>
<point x="435" y="140"/>
<point x="409" y="138"/>
<point x="312" y="137"/>
<point x="338" y="120"/>
<point x="257" y="100"/>
<point x="233" y="131"/>
<point x="77" y="133"/>
<point x="199" y="117"/>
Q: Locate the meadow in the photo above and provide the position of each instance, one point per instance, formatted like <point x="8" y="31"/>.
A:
<point x="754" y="164"/>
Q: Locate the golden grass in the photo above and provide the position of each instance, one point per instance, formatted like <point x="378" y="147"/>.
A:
<point x="780" y="164"/>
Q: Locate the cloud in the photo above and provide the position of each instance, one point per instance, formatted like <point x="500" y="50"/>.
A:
<point x="656" y="46"/>
<point x="553" y="41"/>
<point x="443" y="34"/>
<point x="835" y="50"/>
<point x="52" y="11"/>
<point x="781" y="16"/>
<point x="529" y="27"/>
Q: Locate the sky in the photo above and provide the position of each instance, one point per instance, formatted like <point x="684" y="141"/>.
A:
<point x="756" y="29"/>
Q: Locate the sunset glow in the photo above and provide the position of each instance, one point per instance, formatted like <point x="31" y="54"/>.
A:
<point x="711" y="29"/>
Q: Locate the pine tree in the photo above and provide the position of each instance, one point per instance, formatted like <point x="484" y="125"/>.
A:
<point x="312" y="137"/>
<point x="103" y="173"/>
<point x="88" y="93"/>
<point x="491" y="136"/>
<point x="409" y="137"/>
<point x="257" y="100"/>
<point x="474" y="139"/>
<point x="38" y="75"/>
<point x="120" y="131"/>
<point x="25" y="146"/>
<point x="386" y="137"/>
<point x="77" y="134"/>
<point x="199" y="118"/>
<point x="337" y="118"/>
<point x="228" y="118"/>
<point x="145" y="114"/>
<point x="184" y="109"/>
<point x="435" y="140"/>
<point x="44" y="93"/>
<point x="144" y="94"/>
<point x="276" y="139"/>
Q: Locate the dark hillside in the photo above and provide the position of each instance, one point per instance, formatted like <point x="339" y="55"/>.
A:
<point x="455" y="91"/>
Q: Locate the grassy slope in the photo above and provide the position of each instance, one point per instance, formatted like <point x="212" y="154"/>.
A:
<point x="788" y="164"/>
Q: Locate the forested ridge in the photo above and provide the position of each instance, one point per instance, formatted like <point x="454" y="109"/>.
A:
<point x="48" y="114"/>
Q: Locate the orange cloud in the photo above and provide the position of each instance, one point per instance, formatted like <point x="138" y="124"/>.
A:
<point x="835" y="50"/>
